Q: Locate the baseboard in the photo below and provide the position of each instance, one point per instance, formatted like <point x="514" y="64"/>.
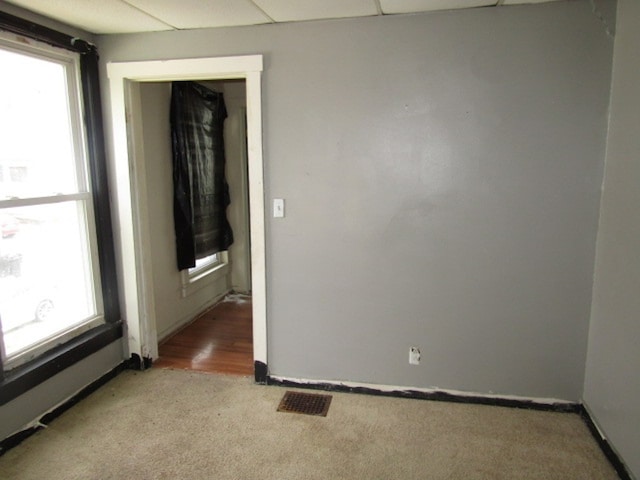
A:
<point x="350" y="387"/>
<point x="138" y="363"/>
<point x="17" y="438"/>
<point x="542" y="404"/>
<point x="613" y="457"/>
<point x="260" y="372"/>
<point x="545" y="404"/>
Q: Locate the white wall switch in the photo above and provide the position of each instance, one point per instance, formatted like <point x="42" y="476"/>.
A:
<point x="278" y="207"/>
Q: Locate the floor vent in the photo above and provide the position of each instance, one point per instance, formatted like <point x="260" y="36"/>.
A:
<point x="306" y="403"/>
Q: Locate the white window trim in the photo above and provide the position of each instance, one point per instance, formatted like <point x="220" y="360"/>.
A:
<point x="23" y="46"/>
<point x="31" y="352"/>
<point x="194" y="279"/>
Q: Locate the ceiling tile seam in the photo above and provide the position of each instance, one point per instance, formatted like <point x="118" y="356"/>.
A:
<point x="150" y="15"/>
<point x="271" y="19"/>
<point x="493" y="3"/>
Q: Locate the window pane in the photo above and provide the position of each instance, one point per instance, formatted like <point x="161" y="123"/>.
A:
<point x="46" y="283"/>
<point x="37" y="150"/>
<point x="204" y="262"/>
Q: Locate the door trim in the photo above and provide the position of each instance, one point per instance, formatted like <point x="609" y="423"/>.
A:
<point x="130" y="194"/>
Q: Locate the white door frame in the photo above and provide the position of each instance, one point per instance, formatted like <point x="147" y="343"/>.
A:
<point x="131" y="194"/>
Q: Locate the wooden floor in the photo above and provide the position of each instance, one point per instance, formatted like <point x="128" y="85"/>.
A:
<point x="220" y="340"/>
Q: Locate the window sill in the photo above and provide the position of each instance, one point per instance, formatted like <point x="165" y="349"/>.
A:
<point x="47" y="343"/>
<point x="192" y="284"/>
<point x="23" y="378"/>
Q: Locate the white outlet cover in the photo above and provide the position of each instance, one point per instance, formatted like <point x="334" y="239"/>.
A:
<point x="414" y="356"/>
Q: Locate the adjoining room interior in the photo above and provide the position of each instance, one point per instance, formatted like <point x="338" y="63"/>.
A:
<point x="199" y="304"/>
<point x="440" y="229"/>
<point x="219" y="340"/>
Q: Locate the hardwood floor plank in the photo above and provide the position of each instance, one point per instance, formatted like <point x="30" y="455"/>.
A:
<point x="220" y="340"/>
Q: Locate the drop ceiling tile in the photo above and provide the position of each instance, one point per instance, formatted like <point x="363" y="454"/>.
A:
<point x="412" y="6"/>
<point x="186" y="14"/>
<point x="95" y="16"/>
<point x="298" y="10"/>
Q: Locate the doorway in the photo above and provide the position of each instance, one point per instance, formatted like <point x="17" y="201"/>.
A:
<point x="196" y="329"/>
<point x="129" y="164"/>
<point x="217" y="341"/>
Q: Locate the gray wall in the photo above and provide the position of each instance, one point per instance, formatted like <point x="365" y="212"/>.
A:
<point x="17" y="414"/>
<point x="442" y="174"/>
<point x="612" y="386"/>
<point x="23" y="410"/>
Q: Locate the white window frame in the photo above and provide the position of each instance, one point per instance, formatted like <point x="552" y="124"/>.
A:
<point x="71" y="62"/>
<point x="193" y="279"/>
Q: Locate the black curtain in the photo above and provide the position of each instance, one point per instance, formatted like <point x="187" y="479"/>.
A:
<point x="201" y="193"/>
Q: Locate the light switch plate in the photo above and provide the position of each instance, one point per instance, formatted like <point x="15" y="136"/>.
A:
<point x="278" y="208"/>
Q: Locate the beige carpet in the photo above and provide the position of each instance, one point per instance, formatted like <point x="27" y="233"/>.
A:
<point x="164" y="424"/>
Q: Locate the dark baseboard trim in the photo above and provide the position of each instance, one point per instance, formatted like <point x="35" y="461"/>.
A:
<point x="614" y="459"/>
<point x="260" y="370"/>
<point x="577" y="408"/>
<point x="139" y="363"/>
<point x="435" y="396"/>
<point x="23" y="378"/>
<point x="261" y="376"/>
<point x="17" y="438"/>
<point x="82" y="394"/>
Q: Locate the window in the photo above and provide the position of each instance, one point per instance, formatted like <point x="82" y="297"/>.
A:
<point x="207" y="270"/>
<point x="51" y="292"/>
<point x="58" y="289"/>
<point x="204" y="264"/>
<point x="201" y="192"/>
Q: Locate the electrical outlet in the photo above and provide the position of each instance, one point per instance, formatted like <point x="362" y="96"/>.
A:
<point x="414" y="356"/>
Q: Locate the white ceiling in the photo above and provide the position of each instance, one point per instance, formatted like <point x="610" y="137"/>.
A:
<point x="129" y="16"/>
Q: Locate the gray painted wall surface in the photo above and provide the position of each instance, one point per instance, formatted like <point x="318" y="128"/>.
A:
<point x="19" y="412"/>
<point x="38" y="401"/>
<point x="612" y="386"/>
<point x="442" y="175"/>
